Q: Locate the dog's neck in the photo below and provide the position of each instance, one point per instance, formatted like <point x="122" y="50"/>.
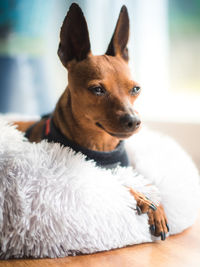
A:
<point x="78" y="129"/>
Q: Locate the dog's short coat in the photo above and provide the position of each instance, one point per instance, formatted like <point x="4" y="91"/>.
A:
<point x="95" y="112"/>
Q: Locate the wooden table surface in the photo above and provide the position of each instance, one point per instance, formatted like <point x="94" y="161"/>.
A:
<point x="181" y="250"/>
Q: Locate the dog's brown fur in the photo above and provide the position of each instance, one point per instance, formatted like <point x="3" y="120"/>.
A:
<point x="78" y="106"/>
<point x="79" y="112"/>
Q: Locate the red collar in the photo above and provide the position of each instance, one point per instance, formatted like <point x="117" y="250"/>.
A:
<point x="47" y="126"/>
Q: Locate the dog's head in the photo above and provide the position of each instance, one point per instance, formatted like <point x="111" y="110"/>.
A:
<point x="101" y="89"/>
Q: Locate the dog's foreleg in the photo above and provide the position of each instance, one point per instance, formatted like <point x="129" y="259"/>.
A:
<point x="157" y="218"/>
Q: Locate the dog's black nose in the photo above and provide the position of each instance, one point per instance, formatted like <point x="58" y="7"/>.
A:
<point x="130" y="122"/>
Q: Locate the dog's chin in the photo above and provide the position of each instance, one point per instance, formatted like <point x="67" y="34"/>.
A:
<point x="118" y="135"/>
<point x="121" y="136"/>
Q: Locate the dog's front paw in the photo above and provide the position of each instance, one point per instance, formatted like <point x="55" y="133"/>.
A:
<point x="143" y="203"/>
<point x="158" y="222"/>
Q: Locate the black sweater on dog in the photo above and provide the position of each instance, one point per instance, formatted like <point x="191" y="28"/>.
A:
<point x="108" y="160"/>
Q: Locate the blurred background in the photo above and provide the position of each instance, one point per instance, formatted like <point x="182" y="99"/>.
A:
<point x="164" y="51"/>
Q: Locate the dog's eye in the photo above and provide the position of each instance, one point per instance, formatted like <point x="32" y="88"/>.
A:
<point x="135" y="90"/>
<point x="98" y="90"/>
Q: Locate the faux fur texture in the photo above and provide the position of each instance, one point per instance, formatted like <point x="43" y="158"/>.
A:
<point x="54" y="203"/>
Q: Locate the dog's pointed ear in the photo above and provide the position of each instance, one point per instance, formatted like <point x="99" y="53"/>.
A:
<point x="118" y="43"/>
<point x="74" y="36"/>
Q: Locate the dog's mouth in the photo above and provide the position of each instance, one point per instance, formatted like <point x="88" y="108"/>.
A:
<point x="118" y="135"/>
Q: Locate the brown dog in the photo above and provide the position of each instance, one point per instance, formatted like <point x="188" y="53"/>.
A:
<point x="95" y="112"/>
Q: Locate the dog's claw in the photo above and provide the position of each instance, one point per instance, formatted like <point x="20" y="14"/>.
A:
<point x="163" y="236"/>
<point x="152" y="229"/>
<point x="153" y="207"/>
<point x="167" y="227"/>
<point x="138" y="210"/>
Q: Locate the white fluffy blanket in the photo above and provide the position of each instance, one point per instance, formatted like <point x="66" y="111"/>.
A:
<point x="53" y="203"/>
